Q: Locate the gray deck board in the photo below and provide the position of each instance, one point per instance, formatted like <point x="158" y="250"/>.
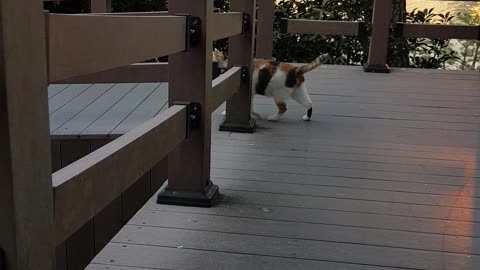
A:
<point x="385" y="176"/>
<point x="66" y="95"/>
<point x="457" y="189"/>
<point x="148" y="109"/>
<point x="121" y="110"/>
<point x="54" y="89"/>
<point x="385" y="222"/>
<point x="152" y="256"/>
<point x="74" y="107"/>
<point x="293" y="248"/>
<point x="306" y="231"/>
<point x="93" y="111"/>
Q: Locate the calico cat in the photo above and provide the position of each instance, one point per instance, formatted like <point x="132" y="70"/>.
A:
<point x="280" y="81"/>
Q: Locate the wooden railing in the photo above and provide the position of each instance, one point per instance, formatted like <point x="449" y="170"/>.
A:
<point x="85" y="44"/>
<point x="43" y="213"/>
<point x="40" y="210"/>
<point x="99" y="178"/>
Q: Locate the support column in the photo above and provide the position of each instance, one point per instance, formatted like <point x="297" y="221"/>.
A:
<point x="26" y="196"/>
<point x="190" y="80"/>
<point x="240" y="52"/>
<point x="265" y="18"/>
<point x="377" y="55"/>
<point x="100" y="6"/>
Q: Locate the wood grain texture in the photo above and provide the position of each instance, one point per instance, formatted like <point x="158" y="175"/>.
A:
<point x="26" y="209"/>
<point x="226" y="25"/>
<point x="70" y="33"/>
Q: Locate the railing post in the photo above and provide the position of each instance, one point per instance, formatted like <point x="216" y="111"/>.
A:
<point x="100" y="6"/>
<point x="190" y="80"/>
<point x="377" y="54"/>
<point x="240" y="52"/>
<point x="26" y="197"/>
<point x="264" y="40"/>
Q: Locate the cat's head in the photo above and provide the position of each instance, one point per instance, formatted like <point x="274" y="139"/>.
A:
<point x="220" y="58"/>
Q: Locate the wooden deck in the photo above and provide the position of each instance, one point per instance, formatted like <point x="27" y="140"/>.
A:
<point x="383" y="177"/>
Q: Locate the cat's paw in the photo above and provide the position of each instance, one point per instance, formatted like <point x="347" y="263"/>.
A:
<point x="224" y="113"/>
<point x="273" y="118"/>
<point x="255" y="115"/>
<point x="306" y="118"/>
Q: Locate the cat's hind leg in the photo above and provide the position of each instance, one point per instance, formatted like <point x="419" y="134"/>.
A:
<point x="282" y="108"/>
<point x="301" y="95"/>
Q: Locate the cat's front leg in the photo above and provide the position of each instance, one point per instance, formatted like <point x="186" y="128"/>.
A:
<point x="255" y="115"/>
<point x="282" y="108"/>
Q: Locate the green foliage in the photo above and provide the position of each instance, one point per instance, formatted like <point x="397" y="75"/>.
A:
<point x="470" y="48"/>
<point x="138" y="5"/>
<point x="68" y="7"/>
<point x="423" y="53"/>
<point x="430" y="53"/>
<point x="304" y="48"/>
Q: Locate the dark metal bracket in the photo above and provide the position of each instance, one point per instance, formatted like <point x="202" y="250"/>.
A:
<point x="246" y="22"/>
<point x="193" y="114"/>
<point x="245" y="73"/>
<point x="192" y="31"/>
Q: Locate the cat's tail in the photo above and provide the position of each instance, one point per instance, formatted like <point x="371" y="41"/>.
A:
<point x="308" y="67"/>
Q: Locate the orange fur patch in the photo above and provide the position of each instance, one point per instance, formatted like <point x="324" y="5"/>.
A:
<point x="257" y="63"/>
<point x="282" y="107"/>
<point x="286" y="67"/>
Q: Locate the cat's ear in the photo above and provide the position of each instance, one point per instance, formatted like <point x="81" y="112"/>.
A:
<point x="217" y="51"/>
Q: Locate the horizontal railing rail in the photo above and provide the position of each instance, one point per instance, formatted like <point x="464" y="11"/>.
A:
<point x="410" y="30"/>
<point x="323" y="27"/>
<point x="224" y="87"/>
<point x="227" y="25"/>
<point x="135" y="73"/>
<point x="85" y="187"/>
<point x="80" y="44"/>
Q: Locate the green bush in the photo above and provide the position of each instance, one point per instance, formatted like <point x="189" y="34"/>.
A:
<point x="304" y="48"/>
